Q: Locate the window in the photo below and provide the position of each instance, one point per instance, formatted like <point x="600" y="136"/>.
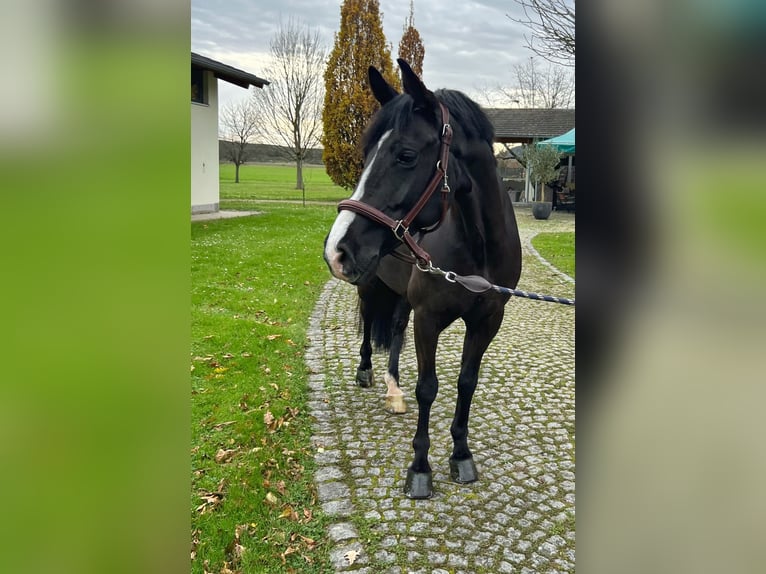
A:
<point x="198" y="92"/>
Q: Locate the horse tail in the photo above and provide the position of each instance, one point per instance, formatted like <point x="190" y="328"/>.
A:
<point x="377" y="305"/>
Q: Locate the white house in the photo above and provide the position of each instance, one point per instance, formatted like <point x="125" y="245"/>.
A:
<point x="205" y="74"/>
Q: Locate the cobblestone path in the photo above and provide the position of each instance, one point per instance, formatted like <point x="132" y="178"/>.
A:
<point x="519" y="516"/>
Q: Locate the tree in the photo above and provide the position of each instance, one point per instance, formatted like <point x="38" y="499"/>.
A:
<point x="291" y="106"/>
<point x="552" y="23"/>
<point x="239" y="126"/>
<point x="542" y="163"/>
<point x="411" y="48"/>
<point x="349" y="103"/>
<point x="552" y="87"/>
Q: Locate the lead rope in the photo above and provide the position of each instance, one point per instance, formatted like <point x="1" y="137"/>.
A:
<point x="478" y="284"/>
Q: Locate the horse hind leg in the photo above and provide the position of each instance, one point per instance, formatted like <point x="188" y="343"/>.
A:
<point x="478" y="336"/>
<point x="364" y="376"/>
<point x="395" y="402"/>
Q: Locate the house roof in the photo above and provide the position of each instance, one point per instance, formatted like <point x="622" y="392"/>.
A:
<point x="524" y="125"/>
<point x="228" y="73"/>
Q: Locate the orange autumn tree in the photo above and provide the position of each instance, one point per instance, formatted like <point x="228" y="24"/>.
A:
<point x="349" y="103"/>
<point x="411" y="47"/>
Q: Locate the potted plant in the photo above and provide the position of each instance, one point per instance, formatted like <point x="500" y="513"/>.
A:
<point x="542" y="163"/>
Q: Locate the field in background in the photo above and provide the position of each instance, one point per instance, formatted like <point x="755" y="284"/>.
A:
<point x="270" y="181"/>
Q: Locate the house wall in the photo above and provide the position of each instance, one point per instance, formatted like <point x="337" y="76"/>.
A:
<point x="204" y="150"/>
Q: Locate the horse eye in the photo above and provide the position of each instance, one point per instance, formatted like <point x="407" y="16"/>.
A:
<point x="407" y="157"/>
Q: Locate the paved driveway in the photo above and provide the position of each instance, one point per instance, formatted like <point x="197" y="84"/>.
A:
<point x="519" y="516"/>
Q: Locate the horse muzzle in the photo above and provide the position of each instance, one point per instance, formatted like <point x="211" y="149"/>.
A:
<point x="350" y="267"/>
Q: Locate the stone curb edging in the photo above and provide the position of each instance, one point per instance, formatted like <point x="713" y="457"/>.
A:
<point x="528" y="245"/>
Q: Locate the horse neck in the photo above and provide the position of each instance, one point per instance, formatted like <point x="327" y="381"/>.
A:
<point x="484" y="207"/>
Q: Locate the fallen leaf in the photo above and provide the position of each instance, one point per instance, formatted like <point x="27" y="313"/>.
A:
<point x="310" y="542"/>
<point x="271" y="499"/>
<point x="351" y="556"/>
<point x="289" y="513"/>
<point x="268" y="418"/>
<point x="281" y="487"/>
<point x="308" y="514"/>
<point x="225" y="455"/>
<point x="272" y="337"/>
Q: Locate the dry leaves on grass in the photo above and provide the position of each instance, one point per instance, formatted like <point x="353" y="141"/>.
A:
<point x="273" y="423"/>
<point x="351" y="556"/>
<point x="211" y="500"/>
<point x="299" y="543"/>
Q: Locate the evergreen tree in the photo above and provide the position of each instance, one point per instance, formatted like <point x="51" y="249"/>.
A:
<point x="349" y="103"/>
<point x="411" y="47"/>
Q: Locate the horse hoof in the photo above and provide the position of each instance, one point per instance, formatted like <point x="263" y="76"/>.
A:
<point x="364" y="378"/>
<point x="418" y="484"/>
<point x="395" y="404"/>
<point x="463" y="471"/>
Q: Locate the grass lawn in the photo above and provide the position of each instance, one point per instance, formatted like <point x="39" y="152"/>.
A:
<point x="558" y="249"/>
<point x="254" y="283"/>
<point x="277" y="182"/>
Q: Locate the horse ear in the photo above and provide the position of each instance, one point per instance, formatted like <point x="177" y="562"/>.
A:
<point x="382" y="91"/>
<point x="424" y="98"/>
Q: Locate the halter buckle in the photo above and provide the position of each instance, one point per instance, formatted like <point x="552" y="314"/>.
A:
<point x="400" y="230"/>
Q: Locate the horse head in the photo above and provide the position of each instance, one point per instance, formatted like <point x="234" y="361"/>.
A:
<point x="402" y="146"/>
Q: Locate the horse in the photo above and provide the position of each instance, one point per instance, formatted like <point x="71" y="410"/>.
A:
<point x="416" y="142"/>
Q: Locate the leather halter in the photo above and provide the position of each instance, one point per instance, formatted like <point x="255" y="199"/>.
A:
<point x="401" y="227"/>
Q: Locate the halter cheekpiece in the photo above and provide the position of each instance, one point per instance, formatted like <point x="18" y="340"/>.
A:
<point x="401" y="227"/>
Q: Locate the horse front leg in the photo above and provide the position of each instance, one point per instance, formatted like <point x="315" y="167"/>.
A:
<point x="394" y="396"/>
<point x="419" y="483"/>
<point x="479" y="334"/>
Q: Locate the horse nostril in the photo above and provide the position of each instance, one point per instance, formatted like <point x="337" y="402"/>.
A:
<point x="340" y="258"/>
<point x="343" y="255"/>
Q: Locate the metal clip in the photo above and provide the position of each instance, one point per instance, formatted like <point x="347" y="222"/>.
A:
<point x="445" y="129"/>
<point x="451" y="276"/>
<point x="424" y="269"/>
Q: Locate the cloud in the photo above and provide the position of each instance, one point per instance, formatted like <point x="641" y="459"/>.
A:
<point x="469" y="46"/>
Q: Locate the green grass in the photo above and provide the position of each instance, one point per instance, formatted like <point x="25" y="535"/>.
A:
<point x="277" y="182"/>
<point x="254" y="283"/>
<point x="558" y="249"/>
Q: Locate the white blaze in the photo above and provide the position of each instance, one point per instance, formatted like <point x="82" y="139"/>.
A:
<point x="345" y="217"/>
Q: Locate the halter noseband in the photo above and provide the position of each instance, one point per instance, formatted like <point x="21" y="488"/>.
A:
<point x="401" y="227"/>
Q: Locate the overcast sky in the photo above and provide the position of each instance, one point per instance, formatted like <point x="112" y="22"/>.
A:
<point x="470" y="45"/>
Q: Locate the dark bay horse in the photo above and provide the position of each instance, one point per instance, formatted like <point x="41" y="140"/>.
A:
<point x="420" y="140"/>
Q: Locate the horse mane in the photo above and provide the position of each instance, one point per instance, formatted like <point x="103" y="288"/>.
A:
<point x="468" y="115"/>
<point x="464" y="112"/>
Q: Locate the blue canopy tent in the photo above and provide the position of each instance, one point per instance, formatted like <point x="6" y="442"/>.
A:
<point x="565" y="143"/>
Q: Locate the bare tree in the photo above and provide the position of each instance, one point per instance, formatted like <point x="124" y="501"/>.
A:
<point x="536" y="87"/>
<point x="291" y="106"/>
<point x="552" y="23"/>
<point x="238" y="126"/>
